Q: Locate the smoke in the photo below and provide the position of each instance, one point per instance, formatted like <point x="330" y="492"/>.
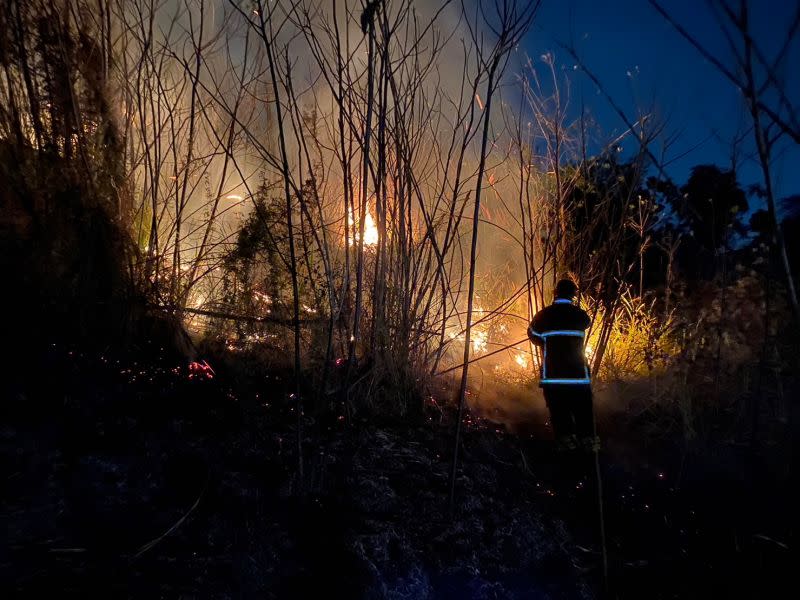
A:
<point x="201" y="113"/>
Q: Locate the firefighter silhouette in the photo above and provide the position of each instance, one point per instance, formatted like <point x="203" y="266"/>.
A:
<point x="560" y="331"/>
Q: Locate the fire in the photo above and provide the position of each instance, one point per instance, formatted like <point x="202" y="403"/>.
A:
<point x="263" y="298"/>
<point x="197" y="301"/>
<point x="589" y="351"/>
<point x="521" y="359"/>
<point x="480" y="340"/>
<point x="370" y="230"/>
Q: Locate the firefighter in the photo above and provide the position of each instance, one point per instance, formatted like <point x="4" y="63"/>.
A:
<point x="560" y="331"/>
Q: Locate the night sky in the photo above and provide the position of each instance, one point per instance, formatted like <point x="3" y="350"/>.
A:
<point x="642" y="60"/>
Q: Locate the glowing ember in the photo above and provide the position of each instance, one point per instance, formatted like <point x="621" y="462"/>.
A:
<point x="200" y="370"/>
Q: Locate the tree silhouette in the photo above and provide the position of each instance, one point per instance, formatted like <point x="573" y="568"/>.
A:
<point x="711" y="205"/>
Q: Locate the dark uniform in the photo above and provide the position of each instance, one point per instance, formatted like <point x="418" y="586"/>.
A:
<point x="560" y="330"/>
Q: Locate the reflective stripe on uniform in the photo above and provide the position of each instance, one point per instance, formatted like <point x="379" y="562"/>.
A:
<point x="544" y="335"/>
<point x="584" y="381"/>
<point x="564" y="332"/>
<point x="561" y="381"/>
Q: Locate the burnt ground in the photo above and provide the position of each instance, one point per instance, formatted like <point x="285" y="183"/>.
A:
<point x="123" y="480"/>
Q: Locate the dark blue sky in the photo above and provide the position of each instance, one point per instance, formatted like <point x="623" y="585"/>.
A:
<point x="642" y="60"/>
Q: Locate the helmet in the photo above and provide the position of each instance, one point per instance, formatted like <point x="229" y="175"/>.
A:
<point x="566" y="288"/>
